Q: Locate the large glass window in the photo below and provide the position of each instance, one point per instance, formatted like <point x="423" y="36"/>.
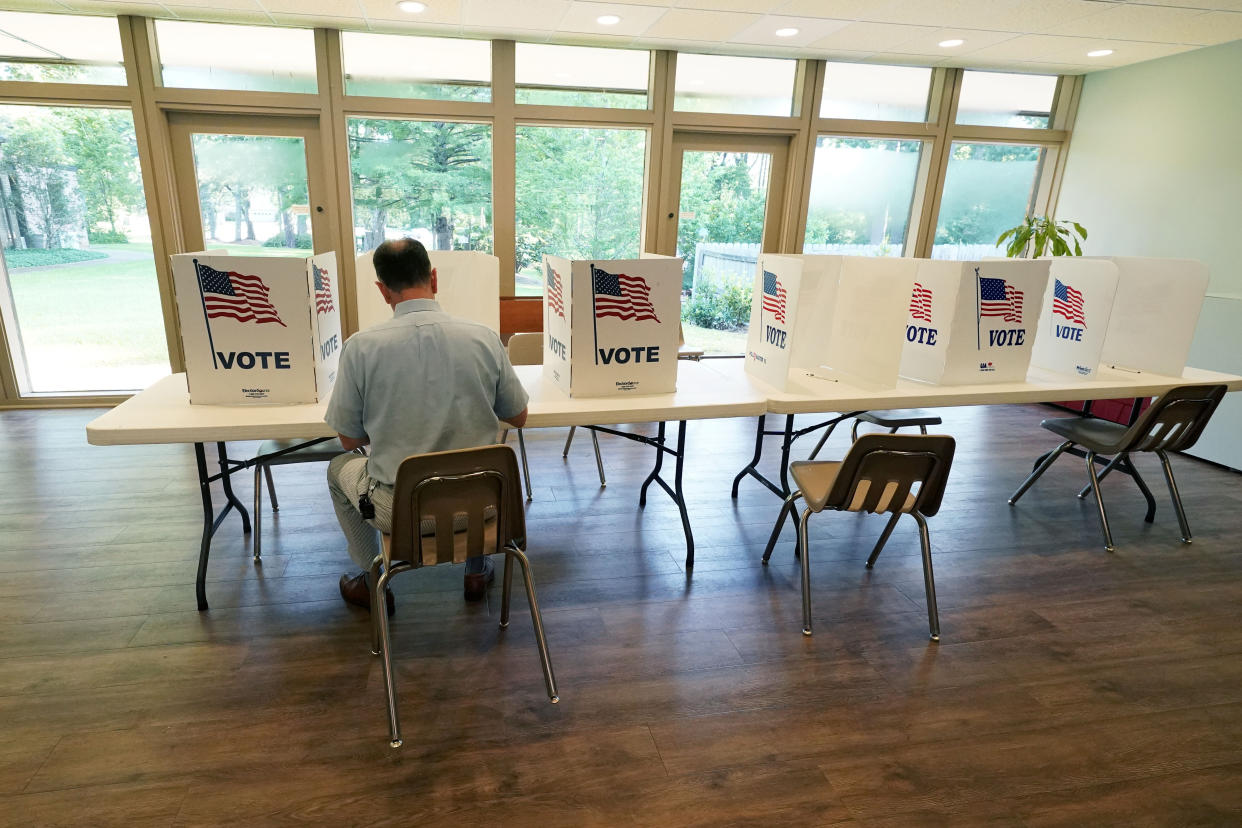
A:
<point x="1006" y="99"/>
<point x="861" y="192"/>
<point x="581" y="76"/>
<point x="734" y="85"/>
<point x="877" y="93"/>
<point x="223" y="56"/>
<point x="988" y="189"/>
<point x="60" y="47"/>
<point x="79" y="294"/>
<point x="430" y="180"/>
<point x="397" y="66"/>
<point x="579" y="195"/>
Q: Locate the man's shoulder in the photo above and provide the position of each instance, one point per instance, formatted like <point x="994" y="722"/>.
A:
<point x="408" y="324"/>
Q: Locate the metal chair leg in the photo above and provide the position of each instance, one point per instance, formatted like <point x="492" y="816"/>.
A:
<point x="1104" y="472"/>
<point x="569" y="440"/>
<point x="549" y="679"/>
<point x="599" y="461"/>
<point x="271" y="487"/>
<point x="854" y="432"/>
<point x="506" y="591"/>
<point x="929" y="581"/>
<point x="525" y="468"/>
<point x="879" y="545"/>
<point x="504" y="435"/>
<point x="372" y="578"/>
<point x="1177" y="498"/>
<point x="390" y="688"/>
<point x="1099" y="501"/>
<point x="803" y="532"/>
<point x="827" y="433"/>
<point x="780" y="524"/>
<point x="1041" y="467"/>
<point x="258" y="512"/>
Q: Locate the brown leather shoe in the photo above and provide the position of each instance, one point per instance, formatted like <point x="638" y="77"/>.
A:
<point x="355" y="591"/>
<point x="476" y="582"/>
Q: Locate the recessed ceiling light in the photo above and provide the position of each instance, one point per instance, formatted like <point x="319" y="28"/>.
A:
<point x="1100" y="53"/>
<point x="949" y="44"/>
<point x="608" y="20"/>
<point x="412" y="6"/>
<point x="789" y="32"/>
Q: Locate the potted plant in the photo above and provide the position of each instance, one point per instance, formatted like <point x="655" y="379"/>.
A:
<point x="1045" y="236"/>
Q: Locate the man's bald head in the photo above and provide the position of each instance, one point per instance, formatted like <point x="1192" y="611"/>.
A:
<point x="402" y="264"/>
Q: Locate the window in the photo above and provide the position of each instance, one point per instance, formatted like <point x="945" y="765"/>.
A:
<point x="437" y="68"/>
<point x="579" y="195"/>
<point x="251" y="58"/>
<point x="582" y="76"/>
<point x="734" y="85"/>
<point x="988" y="189"/>
<point x="1001" y="99"/>
<point x="861" y="192"/>
<point x="877" y="93"/>
<point x="60" y="47"/>
<point x="78" y="289"/>
<point x="430" y="180"/>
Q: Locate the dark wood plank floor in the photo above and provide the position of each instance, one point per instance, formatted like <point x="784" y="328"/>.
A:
<point x="1071" y="686"/>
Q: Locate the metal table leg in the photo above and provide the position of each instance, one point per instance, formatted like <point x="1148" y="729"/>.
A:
<point x="675" y="491"/>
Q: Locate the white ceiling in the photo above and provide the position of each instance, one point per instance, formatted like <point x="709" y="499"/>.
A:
<point x="1048" y="36"/>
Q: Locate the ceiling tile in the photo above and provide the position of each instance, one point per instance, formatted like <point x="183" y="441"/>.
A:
<point x="1124" y="52"/>
<point x="1029" y="47"/>
<point x="240" y="5"/>
<point x="1219" y="5"/>
<point x="525" y="16"/>
<point x="34" y="6"/>
<point x="928" y="43"/>
<point x="758" y="6"/>
<point x="199" y="14"/>
<point x="402" y="27"/>
<point x="342" y="9"/>
<point x="1158" y="24"/>
<point x="700" y="25"/>
<point x="901" y="59"/>
<point x="438" y="11"/>
<point x="321" y="21"/>
<point x="809" y="30"/>
<point x="870" y="37"/>
<point x="1000" y="15"/>
<point x="1214" y="27"/>
<point x="634" y="19"/>
<point x="873" y="10"/>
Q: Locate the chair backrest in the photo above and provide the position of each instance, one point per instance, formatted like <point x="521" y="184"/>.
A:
<point x="448" y="506"/>
<point x="1174" y="421"/>
<point x="880" y="470"/>
<point x="526" y="348"/>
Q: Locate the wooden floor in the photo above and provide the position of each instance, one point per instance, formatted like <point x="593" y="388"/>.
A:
<point x="1070" y="687"/>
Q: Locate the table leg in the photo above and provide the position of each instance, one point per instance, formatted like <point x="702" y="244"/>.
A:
<point x="676" y="491"/>
<point x="655" y="472"/>
<point x="754" y="461"/>
<point x="226" y="481"/>
<point x="209" y="527"/>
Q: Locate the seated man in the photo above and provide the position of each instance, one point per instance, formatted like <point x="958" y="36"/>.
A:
<point x="423" y="381"/>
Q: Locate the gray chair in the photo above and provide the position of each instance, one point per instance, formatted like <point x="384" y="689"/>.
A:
<point x="1172" y="423"/>
<point x="894" y="473"/>
<point x="892" y="420"/>
<point x="316" y="453"/>
<point x="447" y="507"/>
<point x="527" y="349"/>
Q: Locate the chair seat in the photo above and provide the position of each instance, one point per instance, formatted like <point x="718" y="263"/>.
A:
<point x="1096" y="435"/>
<point x="816" y="478"/>
<point x="310" y="454"/>
<point x="900" y="418"/>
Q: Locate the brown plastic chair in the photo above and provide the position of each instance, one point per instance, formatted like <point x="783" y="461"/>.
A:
<point x="879" y="474"/>
<point x="447" y="507"/>
<point x="1172" y="423"/>
<point x="527" y="349"/>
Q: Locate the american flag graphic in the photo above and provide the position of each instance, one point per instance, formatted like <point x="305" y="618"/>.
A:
<point x="235" y="296"/>
<point x="773" y="296"/>
<point x="625" y="297"/>
<point x="1068" y="302"/>
<point x="555" y="300"/>
<point x="323" y="290"/>
<point x="999" y="299"/>
<point x="920" y="303"/>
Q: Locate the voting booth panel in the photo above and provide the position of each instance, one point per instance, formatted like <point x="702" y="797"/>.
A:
<point x="868" y="317"/>
<point x="620" y="329"/>
<point x="972" y="322"/>
<point x="1154" y="314"/>
<point x="774" y="308"/>
<point x="1077" y="306"/>
<point x="468" y="287"/>
<point x="258" y="329"/>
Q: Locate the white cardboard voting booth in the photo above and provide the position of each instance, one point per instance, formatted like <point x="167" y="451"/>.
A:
<point x="774" y="308"/>
<point x="611" y="327"/>
<point x="469" y="287"/>
<point x="258" y="329"/>
<point x="972" y="322"/>
<point x="1155" y="314"/>
<point x="1077" y="307"/>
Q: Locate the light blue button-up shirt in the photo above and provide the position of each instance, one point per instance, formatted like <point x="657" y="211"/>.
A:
<point x="422" y="381"/>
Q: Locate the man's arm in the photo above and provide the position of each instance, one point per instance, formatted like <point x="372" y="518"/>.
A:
<point x="351" y="443"/>
<point x="517" y="420"/>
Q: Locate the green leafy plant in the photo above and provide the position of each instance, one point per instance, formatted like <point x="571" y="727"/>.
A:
<point x="1045" y="236"/>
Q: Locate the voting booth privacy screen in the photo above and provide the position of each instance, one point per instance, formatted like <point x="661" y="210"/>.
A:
<point x="611" y="326"/>
<point x="774" y="308"/>
<point x="1155" y="314"/>
<point x="258" y="329"/>
<point x="468" y="287"/>
<point x="1078" y="304"/>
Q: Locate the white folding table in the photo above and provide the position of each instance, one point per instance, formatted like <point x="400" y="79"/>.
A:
<point x="163" y="414"/>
